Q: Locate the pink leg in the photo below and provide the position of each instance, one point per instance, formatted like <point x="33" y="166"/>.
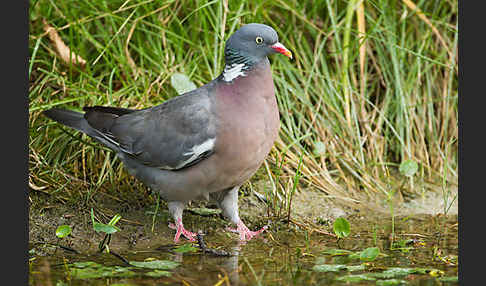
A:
<point x="181" y="230"/>
<point x="245" y="233"/>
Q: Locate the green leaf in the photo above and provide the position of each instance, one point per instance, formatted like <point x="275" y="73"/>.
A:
<point x="337" y="267"/>
<point x="369" y="254"/>
<point x="185" y="248"/>
<point x="341" y="227"/>
<point x="352" y="268"/>
<point x="399" y="271"/>
<point x="329" y="267"/>
<point x="63" y="231"/>
<point x="181" y="83"/>
<point x="391" y="282"/>
<point x="319" y="148"/>
<point x="158" y="273"/>
<point x="156" y="264"/>
<point x="334" y="251"/>
<point x="101" y="272"/>
<point x="408" y="168"/>
<point x="108" y="229"/>
<point x="355" y="255"/>
<point x="451" y="279"/>
<point x="355" y="278"/>
<point x="90" y="269"/>
<point x="114" y="220"/>
<point x="84" y="264"/>
<point x="92" y="216"/>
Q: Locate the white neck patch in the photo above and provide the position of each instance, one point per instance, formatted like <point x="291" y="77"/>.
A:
<point x="233" y="71"/>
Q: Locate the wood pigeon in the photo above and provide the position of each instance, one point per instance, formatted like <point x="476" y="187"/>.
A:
<point x="203" y="144"/>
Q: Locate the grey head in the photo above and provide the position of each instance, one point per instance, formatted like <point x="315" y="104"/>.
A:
<point x="251" y="44"/>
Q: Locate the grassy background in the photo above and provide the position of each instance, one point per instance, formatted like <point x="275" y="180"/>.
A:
<point x="373" y="84"/>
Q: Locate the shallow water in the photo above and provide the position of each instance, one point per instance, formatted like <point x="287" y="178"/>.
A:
<point x="282" y="256"/>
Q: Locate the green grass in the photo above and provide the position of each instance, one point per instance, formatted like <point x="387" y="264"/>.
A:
<point x="374" y="95"/>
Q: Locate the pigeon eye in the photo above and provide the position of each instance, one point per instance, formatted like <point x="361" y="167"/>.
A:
<point x="259" y="40"/>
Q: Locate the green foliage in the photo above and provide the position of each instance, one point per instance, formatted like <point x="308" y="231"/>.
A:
<point x="387" y="276"/>
<point x="158" y="273"/>
<point x="63" y="230"/>
<point x="319" y="148"/>
<point x="109" y="228"/>
<point x="355" y="278"/>
<point x="335" y="252"/>
<point x="369" y="254"/>
<point x="449" y="279"/>
<point x="185" y="248"/>
<point x="408" y="168"/>
<point x="372" y="98"/>
<point x="156" y="264"/>
<point x="391" y="282"/>
<point x="341" y="227"/>
<point x="106" y="228"/>
<point x="91" y="270"/>
<point x="328" y="267"/>
<point x="182" y="83"/>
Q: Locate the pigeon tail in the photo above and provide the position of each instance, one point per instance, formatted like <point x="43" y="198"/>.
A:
<point x="69" y="118"/>
<point x="77" y="120"/>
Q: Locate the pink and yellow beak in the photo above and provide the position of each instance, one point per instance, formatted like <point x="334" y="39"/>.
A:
<point x="279" y="48"/>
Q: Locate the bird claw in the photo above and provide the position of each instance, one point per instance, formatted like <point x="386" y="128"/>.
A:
<point x="181" y="230"/>
<point x="245" y="233"/>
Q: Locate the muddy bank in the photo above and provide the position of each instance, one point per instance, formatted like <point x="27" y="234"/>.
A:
<point x="287" y="254"/>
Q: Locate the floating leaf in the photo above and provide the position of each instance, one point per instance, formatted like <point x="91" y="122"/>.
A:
<point x="436" y="272"/>
<point x="408" y="168"/>
<point x="369" y="254"/>
<point x="343" y="259"/>
<point x="181" y="83"/>
<point x="395" y="272"/>
<point x="319" y="148"/>
<point x="356" y="278"/>
<point x="355" y="255"/>
<point x="158" y="273"/>
<point x="185" y="248"/>
<point x="329" y="267"/>
<point x="337" y="267"/>
<point x="341" y="227"/>
<point x="63" y="231"/>
<point x="352" y="268"/>
<point x="84" y="264"/>
<point x="156" y="264"/>
<point x="398" y="271"/>
<point x="452" y="279"/>
<point x="390" y="282"/>
<point x="335" y="251"/>
<point x="95" y="270"/>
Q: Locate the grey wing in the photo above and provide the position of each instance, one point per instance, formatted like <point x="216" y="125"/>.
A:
<point x="171" y="136"/>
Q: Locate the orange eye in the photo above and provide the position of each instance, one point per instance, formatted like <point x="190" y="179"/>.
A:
<point x="259" y="40"/>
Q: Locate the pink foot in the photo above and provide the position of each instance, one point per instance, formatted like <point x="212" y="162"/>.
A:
<point x="181" y="230"/>
<point x="245" y="233"/>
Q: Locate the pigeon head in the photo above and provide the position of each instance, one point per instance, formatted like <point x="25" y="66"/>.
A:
<point x="252" y="43"/>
